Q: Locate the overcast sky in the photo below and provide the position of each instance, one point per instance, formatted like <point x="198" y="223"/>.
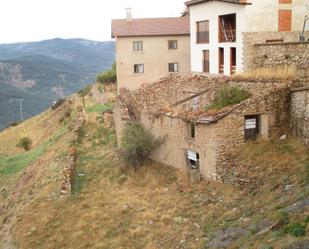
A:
<point x="34" y="20"/>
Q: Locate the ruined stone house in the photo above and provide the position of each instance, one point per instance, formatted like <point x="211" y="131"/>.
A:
<point x="174" y="108"/>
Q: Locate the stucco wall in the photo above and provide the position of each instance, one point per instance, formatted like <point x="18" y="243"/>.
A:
<point x="260" y="16"/>
<point x="155" y="57"/>
<point x="210" y="11"/>
<point x="299" y="121"/>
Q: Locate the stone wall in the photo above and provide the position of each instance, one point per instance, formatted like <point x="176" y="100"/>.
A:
<point x="289" y="56"/>
<point x="274" y="115"/>
<point x="213" y="141"/>
<point x="299" y="122"/>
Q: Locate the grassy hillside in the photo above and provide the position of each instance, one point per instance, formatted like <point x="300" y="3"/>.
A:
<point x="53" y="79"/>
<point x="112" y="206"/>
<point x="41" y="72"/>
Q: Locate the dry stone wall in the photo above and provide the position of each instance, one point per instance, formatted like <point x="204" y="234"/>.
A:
<point x="299" y="121"/>
<point x="290" y="55"/>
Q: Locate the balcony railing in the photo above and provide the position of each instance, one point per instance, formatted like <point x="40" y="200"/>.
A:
<point x="202" y="37"/>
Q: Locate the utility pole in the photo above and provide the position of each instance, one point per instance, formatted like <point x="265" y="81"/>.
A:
<point x="20" y="101"/>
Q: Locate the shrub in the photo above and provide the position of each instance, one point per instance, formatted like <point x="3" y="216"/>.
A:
<point x="25" y="143"/>
<point x="59" y="103"/>
<point x="137" y="144"/>
<point x="108" y="76"/>
<point x="296" y="230"/>
<point x="228" y="95"/>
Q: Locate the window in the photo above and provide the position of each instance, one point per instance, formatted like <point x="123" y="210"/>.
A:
<point x="227" y="28"/>
<point x="193" y="159"/>
<point x="192" y="129"/>
<point x="137" y="46"/>
<point x="252" y="123"/>
<point x="173" y="67"/>
<point x="172" y="45"/>
<point x="139" y="68"/>
<point x="285" y="20"/>
<point x="206" y="61"/>
<point x="202" y="32"/>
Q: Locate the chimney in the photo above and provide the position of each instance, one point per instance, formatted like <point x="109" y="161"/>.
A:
<point x="129" y="14"/>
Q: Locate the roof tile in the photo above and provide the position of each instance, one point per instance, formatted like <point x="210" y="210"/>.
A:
<point x="151" y="27"/>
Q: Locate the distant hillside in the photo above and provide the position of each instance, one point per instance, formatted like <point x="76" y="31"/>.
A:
<point x="42" y="72"/>
<point x="98" y="55"/>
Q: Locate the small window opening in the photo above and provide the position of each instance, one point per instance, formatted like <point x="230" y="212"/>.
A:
<point x="193" y="159"/>
<point x="139" y="68"/>
<point x="192" y="129"/>
<point x="252" y="127"/>
<point x="137" y="46"/>
<point x="173" y="67"/>
<point x="172" y="45"/>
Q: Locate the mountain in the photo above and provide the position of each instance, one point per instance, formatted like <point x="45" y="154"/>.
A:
<point x="38" y="73"/>
<point x="96" y="54"/>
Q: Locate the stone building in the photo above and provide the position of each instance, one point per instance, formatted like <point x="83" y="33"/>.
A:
<point x="151" y="48"/>
<point x="299" y="111"/>
<point x="197" y="139"/>
<point x="224" y="34"/>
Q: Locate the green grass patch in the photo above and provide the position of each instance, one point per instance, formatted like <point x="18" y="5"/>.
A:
<point x="100" y="107"/>
<point x="227" y="96"/>
<point x="10" y="165"/>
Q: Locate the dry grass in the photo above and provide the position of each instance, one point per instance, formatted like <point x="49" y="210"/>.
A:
<point x="281" y="72"/>
<point x="113" y="207"/>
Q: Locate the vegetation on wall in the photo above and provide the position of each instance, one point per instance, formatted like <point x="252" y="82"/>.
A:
<point x="137" y="144"/>
<point x="227" y="96"/>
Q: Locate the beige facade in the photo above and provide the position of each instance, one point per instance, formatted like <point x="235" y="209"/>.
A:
<point x="155" y="58"/>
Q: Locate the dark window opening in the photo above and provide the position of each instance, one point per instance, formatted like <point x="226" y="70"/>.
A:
<point x="227" y="28"/>
<point x="172" y="45"/>
<point x="206" y="61"/>
<point x="221" y="60"/>
<point x="233" y="61"/>
<point x="173" y="67"/>
<point x="192" y="129"/>
<point x="252" y="127"/>
<point x="139" y="68"/>
<point x="202" y="32"/>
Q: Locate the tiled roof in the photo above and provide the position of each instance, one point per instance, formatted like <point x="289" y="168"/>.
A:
<point x="195" y="2"/>
<point x="151" y="27"/>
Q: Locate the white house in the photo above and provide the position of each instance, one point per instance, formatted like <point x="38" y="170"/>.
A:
<point x="219" y="27"/>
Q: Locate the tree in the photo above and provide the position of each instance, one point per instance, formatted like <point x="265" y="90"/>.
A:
<point x="137" y="144"/>
<point x="84" y="92"/>
<point x="109" y="76"/>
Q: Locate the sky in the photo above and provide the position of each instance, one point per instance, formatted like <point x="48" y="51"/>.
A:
<point x="35" y="20"/>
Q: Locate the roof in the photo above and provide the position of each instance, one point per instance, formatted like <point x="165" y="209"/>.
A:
<point x="174" y="97"/>
<point x="151" y="27"/>
<point x="195" y="2"/>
